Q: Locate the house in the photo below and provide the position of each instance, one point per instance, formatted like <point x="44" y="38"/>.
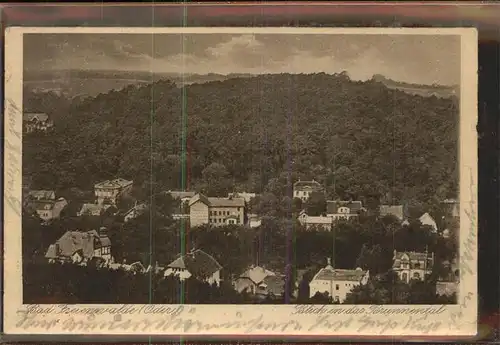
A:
<point x="337" y="283"/>
<point x="41" y="195"/>
<point x="426" y="219"/>
<point x="135" y="212"/>
<point x="36" y="122"/>
<point x="452" y="207"/>
<point x="254" y="221"/>
<point x="92" y="209"/>
<point x="412" y="265"/>
<point x="304" y="189"/>
<point x="216" y="211"/>
<point x="47" y="210"/>
<point x="110" y="190"/>
<point x="392" y="210"/>
<point x="343" y="209"/>
<point x="319" y="222"/>
<point x="196" y="264"/>
<point x="257" y="280"/>
<point x="246" y="196"/>
<point x="80" y="247"/>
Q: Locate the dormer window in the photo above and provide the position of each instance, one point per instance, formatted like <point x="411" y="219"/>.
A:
<point x="343" y="210"/>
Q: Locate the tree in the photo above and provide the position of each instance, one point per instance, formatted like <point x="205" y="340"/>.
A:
<point x="316" y="204"/>
<point x="217" y="180"/>
<point x="375" y="259"/>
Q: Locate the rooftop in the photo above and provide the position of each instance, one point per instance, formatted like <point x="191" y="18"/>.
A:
<point x="333" y="206"/>
<point x="42" y="194"/>
<point x="35" y="116"/>
<point x="331" y="274"/>
<point x="74" y="241"/>
<point x="256" y="274"/>
<point x="198" y="263"/>
<point x="217" y="202"/>
<point x="315" y="185"/>
<point x="116" y="183"/>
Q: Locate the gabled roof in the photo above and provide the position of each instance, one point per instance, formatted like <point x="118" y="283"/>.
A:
<point x="77" y="241"/>
<point x="333" y="206"/>
<point x="450" y="201"/>
<point x="314" y="185"/>
<point x="331" y="274"/>
<point x="35" y="116"/>
<point x="42" y="194"/>
<point x="116" y="183"/>
<point x="198" y="263"/>
<point x="394" y="210"/>
<point x="409" y="256"/>
<point x="217" y="202"/>
<point x="426" y="219"/>
<point x="256" y="274"/>
<point x="227" y="202"/>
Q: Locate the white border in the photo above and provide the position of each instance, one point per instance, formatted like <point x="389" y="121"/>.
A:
<point x="233" y="320"/>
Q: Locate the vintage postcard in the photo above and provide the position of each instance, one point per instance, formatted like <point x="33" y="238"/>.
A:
<point x="240" y="181"/>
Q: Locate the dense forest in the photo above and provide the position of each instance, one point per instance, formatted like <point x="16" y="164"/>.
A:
<point x="256" y="134"/>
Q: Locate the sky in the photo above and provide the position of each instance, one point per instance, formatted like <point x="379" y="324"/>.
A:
<point x="421" y="59"/>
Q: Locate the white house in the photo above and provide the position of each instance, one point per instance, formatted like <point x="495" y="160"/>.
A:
<point x="258" y="280"/>
<point x="426" y="219"/>
<point x="343" y="209"/>
<point x="47" y="210"/>
<point x="304" y="189"/>
<point x="412" y="265"/>
<point x="196" y="264"/>
<point x="216" y="211"/>
<point x="320" y="222"/>
<point x="337" y="283"/>
<point x="110" y="190"/>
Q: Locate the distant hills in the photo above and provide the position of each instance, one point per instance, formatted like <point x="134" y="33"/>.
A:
<point x="83" y="83"/>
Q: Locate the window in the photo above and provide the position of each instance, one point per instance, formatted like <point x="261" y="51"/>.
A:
<point x="404" y="277"/>
<point x="337" y="299"/>
<point x="416" y="275"/>
<point x="417" y="265"/>
<point x="336" y="286"/>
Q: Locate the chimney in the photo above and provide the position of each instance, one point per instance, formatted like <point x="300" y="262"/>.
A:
<point x="328" y="261"/>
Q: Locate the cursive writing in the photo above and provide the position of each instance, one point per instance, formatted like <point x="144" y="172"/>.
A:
<point x="13" y="156"/>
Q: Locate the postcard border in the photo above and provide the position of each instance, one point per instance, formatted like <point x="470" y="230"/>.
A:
<point x="461" y="319"/>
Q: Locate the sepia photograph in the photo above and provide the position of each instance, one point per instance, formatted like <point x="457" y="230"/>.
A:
<point x="244" y="167"/>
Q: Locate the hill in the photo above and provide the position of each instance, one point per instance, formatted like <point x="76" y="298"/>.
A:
<point x="77" y="83"/>
<point x="257" y="133"/>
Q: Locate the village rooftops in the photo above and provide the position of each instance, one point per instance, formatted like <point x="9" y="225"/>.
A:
<point x="35" y="117"/>
<point x="333" y="206"/>
<point x="113" y="184"/>
<point x="198" y="263"/>
<point x="74" y="241"/>
<point x="218" y="202"/>
<point x="307" y="185"/>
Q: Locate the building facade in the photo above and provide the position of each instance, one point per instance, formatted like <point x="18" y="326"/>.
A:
<point x="343" y="209"/>
<point x="36" y="122"/>
<point x="337" y="283"/>
<point x="303" y="189"/>
<point x="110" y="190"/>
<point x="412" y="265"/>
<point x="47" y="210"/>
<point x="79" y="247"/>
<point x="324" y="223"/>
<point x="216" y="211"/>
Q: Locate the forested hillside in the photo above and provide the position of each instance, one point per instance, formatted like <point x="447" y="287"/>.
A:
<point x="260" y="133"/>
